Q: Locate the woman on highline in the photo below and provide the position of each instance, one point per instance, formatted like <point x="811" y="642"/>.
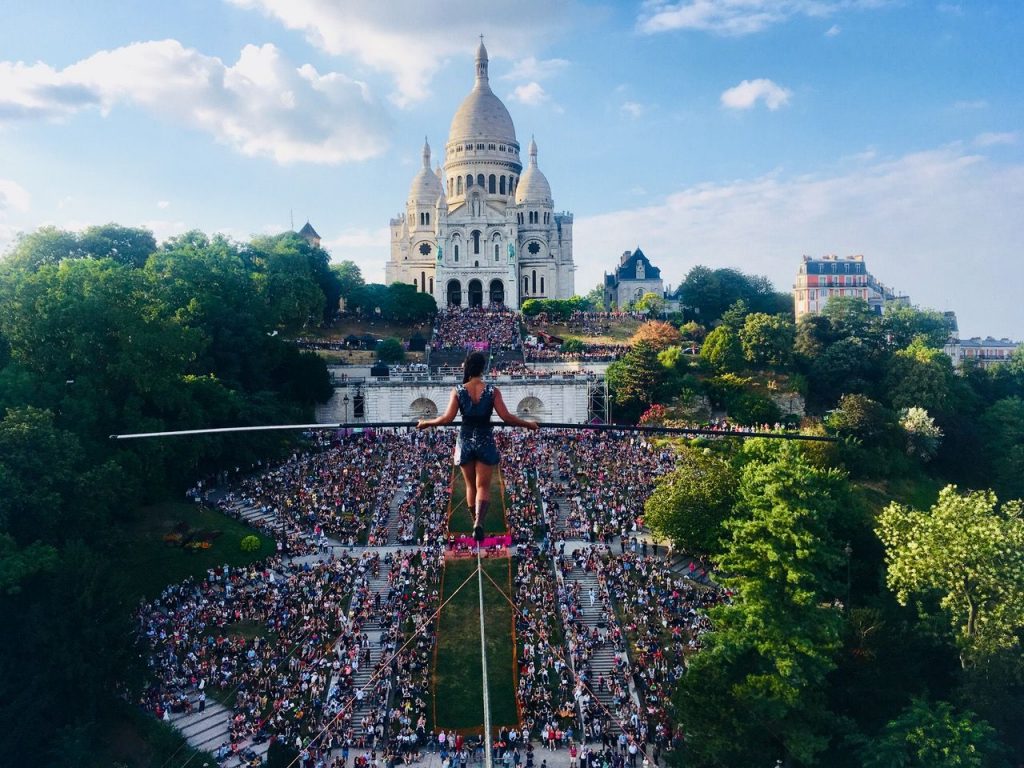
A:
<point x="475" y="450"/>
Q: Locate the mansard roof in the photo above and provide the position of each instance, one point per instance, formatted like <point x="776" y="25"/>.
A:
<point x="627" y="269"/>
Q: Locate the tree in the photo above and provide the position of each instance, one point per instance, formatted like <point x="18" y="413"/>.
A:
<point x="651" y="303"/>
<point x="934" y="735"/>
<point x="755" y="691"/>
<point x="636" y="379"/>
<point x="689" y="505"/>
<point x="46" y="246"/>
<point x="767" y="339"/>
<point x="923" y="437"/>
<point x="920" y="376"/>
<point x="969" y="551"/>
<point x="1003" y="424"/>
<point x="659" y="334"/>
<point x="901" y="324"/>
<point x="852" y="318"/>
<point x="391" y="351"/>
<point x="130" y="246"/>
<point x="722" y="350"/>
<point x="350" y="279"/>
<point x="860" y="417"/>
<point x="573" y="346"/>
<point x="404" y="304"/>
<point x="594" y="300"/>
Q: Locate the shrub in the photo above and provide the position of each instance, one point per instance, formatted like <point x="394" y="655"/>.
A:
<point x="250" y="543"/>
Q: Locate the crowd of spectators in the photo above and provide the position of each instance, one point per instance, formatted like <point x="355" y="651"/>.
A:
<point x="458" y="327"/>
<point x="591" y="353"/>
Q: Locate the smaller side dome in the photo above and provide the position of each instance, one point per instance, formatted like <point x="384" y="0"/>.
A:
<point x="426" y="186"/>
<point x="533" y="185"/>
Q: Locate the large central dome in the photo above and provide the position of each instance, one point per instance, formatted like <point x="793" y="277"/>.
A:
<point x="481" y="114"/>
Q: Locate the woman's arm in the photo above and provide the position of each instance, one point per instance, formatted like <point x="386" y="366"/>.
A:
<point x="445" y="418"/>
<point x="509" y="418"/>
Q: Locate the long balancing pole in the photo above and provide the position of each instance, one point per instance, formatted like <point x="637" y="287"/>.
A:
<point x="483" y="659"/>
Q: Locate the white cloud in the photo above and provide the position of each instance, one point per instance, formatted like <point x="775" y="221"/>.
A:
<point x="13" y="197"/>
<point x="833" y="31"/>
<point x="409" y="39"/>
<point x="737" y="17"/>
<point x="530" y="94"/>
<point x="920" y="220"/>
<point x="749" y="92"/>
<point x="532" y="68"/>
<point x="633" y="108"/>
<point x="163" y="204"/>
<point x="970" y="104"/>
<point x="357" y="238"/>
<point x="990" y="139"/>
<point x="260" y="106"/>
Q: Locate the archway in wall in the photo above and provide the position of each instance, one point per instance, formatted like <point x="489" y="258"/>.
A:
<point x="476" y="293"/>
<point x="529" y="407"/>
<point x="423" y="408"/>
<point x="497" y="292"/>
<point x="454" y="293"/>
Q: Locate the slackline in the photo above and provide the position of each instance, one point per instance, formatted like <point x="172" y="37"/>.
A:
<point x="639" y="428"/>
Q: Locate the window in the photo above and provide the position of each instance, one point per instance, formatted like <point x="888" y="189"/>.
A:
<point x="501" y="185"/>
<point x="492" y="184"/>
<point x="476" y="263"/>
<point x="431" y="285"/>
<point x="456" y="251"/>
<point x="423" y="281"/>
<point x="497" y="252"/>
<point x="458" y="185"/>
<point x="469" y="182"/>
<point x="425" y="249"/>
<point x="501" y="147"/>
<point x="542" y="285"/>
<point x="534" y="281"/>
<point x="533" y="248"/>
<point x="479" y="146"/>
<point x="526" y="284"/>
<point x="476" y="241"/>
<point x="490" y="146"/>
<point x="480" y="181"/>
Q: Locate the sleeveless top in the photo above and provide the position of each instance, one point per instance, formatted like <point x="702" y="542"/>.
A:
<point x="476" y="417"/>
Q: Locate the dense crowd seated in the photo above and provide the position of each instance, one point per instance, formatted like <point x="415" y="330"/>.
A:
<point x="457" y="327"/>
<point x="524" y="370"/>
<point x="593" y="353"/>
<point x="294" y="677"/>
<point x="605" y="478"/>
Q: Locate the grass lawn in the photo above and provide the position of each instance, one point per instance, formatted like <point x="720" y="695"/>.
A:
<point x="458" y="672"/>
<point x="619" y="331"/>
<point x="378" y="328"/>
<point x="461" y="517"/>
<point x="152" y="563"/>
<point x="131" y="738"/>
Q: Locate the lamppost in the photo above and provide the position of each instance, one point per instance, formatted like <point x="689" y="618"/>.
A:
<point x="345" y="401"/>
<point x="848" y="551"/>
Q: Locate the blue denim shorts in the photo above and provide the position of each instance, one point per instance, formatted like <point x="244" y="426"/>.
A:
<point x="484" y="450"/>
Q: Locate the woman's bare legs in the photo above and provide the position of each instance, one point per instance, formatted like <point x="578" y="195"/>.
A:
<point x="483" y="498"/>
<point x="469" y="475"/>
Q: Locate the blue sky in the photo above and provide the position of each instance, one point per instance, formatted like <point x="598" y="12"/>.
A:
<point x="739" y="133"/>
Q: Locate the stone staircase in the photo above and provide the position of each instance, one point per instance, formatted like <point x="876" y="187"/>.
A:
<point x="602" y="660"/>
<point x="208" y="730"/>
<point x="370" y="587"/>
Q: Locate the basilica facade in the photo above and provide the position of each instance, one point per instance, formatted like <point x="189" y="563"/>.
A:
<point x="481" y="230"/>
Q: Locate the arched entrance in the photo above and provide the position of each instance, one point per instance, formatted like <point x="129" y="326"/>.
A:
<point x="476" y="293"/>
<point x="497" y="292"/>
<point x="423" y="408"/>
<point x="529" y="407"/>
<point x="454" y="293"/>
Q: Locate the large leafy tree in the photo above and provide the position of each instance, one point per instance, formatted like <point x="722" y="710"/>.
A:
<point x="722" y="350"/>
<point x="657" y="333"/>
<point x="635" y="381"/>
<point x="350" y="279"/>
<point x="966" y="552"/>
<point x="1003" y="424"/>
<point x="920" y="376"/>
<point x="767" y="340"/>
<point x="934" y="735"/>
<point x="690" y="504"/>
<point x="755" y="691"/>
<point x="901" y="324"/>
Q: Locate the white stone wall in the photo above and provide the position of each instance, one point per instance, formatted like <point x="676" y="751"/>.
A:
<point x="560" y="401"/>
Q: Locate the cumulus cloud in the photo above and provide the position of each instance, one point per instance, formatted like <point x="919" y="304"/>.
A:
<point x="749" y="92"/>
<point x="409" y="39"/>
<point x="13" y="197"/>
<point x="260" y="106"/>
<point x="633" y="109"/>
<point x="530" y="94"/>
<point x="990" y="139"/>
<point x="163" y="204"/>
<point x="833" y="31"/>
<point x="918" y="219"/>
<point x="736" y="17"/>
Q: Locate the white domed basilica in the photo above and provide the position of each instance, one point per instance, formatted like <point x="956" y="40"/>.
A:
<point x="482" y="230"/>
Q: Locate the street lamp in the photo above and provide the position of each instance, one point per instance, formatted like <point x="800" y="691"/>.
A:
<point x="345" y="401"/>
